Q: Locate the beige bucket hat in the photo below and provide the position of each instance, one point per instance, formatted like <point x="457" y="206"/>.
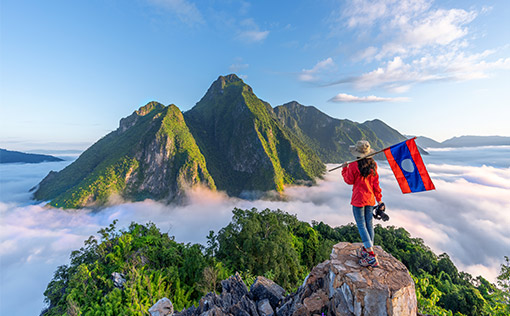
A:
<point x="361" y="149"/>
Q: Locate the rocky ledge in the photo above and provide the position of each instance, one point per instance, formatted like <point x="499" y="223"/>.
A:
<point x="338" y="286"/>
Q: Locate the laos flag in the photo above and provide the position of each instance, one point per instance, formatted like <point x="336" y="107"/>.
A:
<point x="407" y="165"/>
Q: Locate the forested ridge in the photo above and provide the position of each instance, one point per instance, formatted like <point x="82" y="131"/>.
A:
<point x="270" y="243"/>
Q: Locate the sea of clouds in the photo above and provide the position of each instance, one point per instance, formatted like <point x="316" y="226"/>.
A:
<point x="467" y="216"/>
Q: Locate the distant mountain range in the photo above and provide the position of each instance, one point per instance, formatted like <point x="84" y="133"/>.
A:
<point x="8" y="156"/>
<point x="329" y="137"/>
<point x="230" y="141"/>
<point x="464" y="141"/>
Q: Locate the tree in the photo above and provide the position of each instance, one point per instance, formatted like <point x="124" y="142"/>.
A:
<point x="261" y="241"/>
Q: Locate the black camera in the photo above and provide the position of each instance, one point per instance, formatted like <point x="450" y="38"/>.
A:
<point x="379" y="212"/>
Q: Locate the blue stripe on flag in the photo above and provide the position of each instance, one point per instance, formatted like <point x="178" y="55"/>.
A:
<point x="405" y="161"/>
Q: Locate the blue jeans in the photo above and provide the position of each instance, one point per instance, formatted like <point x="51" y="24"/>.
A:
<point x="363" y="216"/>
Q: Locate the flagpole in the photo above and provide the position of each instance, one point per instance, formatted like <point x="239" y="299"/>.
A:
<point x="369" y="155"/>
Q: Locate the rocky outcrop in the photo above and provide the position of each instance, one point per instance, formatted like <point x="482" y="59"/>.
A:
<point x="265" y="289"/>
<point x="163" y="307"/>
<point x="338" y="286"/>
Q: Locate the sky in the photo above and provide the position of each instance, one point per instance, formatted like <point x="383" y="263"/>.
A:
<point x="466" y="216"/>
<point x="69" y="70"/>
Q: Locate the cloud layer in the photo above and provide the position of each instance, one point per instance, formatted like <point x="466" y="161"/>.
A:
<point x="466" y="217"/>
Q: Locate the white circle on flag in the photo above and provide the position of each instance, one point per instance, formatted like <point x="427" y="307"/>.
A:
<point x="407" y="165"/>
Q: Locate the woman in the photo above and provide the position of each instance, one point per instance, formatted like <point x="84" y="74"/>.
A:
<point x="362" y="175"/>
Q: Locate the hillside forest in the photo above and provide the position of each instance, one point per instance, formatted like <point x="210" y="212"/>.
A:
<point x="271" y="243"/>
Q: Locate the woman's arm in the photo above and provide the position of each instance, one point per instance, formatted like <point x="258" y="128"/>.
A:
<point x="348" y="174"/>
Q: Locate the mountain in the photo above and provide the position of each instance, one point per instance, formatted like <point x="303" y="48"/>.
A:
<point x="230" y="140"/>
<point x="330" y="137"/>
<point x="475" y="141"/>
<point x="464" y="141"/>
<point x="151" y="155"/>
<point x="8" y="156"/>
<point x="426" y="142"/>
<point x="247" y="147"/>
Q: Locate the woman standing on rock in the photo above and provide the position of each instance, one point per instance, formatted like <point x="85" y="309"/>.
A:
<point x="362" y="175"/>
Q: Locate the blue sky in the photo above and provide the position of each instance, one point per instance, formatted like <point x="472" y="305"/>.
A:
<point x="71" y="69"/>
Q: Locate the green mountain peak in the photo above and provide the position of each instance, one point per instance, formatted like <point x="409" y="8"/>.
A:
<point x="149" y="107"/>
<point x="151" y="155"/>
<point x="223" y="82"/>
<point x="248" y="148"/>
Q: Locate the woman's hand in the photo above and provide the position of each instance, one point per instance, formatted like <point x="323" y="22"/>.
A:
<point x="344" y="165"/>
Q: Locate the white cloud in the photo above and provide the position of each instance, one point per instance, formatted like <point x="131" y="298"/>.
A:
<point x="251" y="32"/>
<point x="238" y="67"/>
<point x="311" y="75"/>
<point x="412" y="42"/>
<point x="185" y="10"/>
<point x="343" y="97"/>
<point x="253" y="36"/>
<point x="435" y="29"/>
<point x="405" y="26"/>
<point x="397" y="76"/>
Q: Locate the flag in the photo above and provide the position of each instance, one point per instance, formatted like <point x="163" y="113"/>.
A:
<point x="408" y="167"/>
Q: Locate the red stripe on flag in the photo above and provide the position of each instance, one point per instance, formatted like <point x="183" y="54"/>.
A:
<point x="418" y="161"/>
<point x="401" y="179"/>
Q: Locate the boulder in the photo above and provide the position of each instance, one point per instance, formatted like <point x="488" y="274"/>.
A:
<point x="163" y="307"/>
<point x="118" y="279"/>
<point x="265" y="308"/>
<point x="340" y="286"/>
<point x="264" y="288"/>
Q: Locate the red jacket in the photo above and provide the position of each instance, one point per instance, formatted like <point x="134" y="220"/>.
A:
<point x="365" y="190"/>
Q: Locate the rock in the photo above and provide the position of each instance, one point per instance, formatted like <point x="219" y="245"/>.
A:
<point x="264" y="288"/>
<point x="341" y="287"/>
<point x="234" y="300"/>
<point x="316" y="301"/>
<point x="118" y="279"/>
<point x="264" y="308"/>
<point x="163" y="307"/>
<point x="234" y="289"/>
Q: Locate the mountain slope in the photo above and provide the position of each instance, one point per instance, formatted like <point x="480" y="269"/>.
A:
<point x="426" y="142"/>
<point x="151" y="154"/>
<point x="474" y="141"/>
<point x="9" y="156"/>
<point x="246" y="146"/>
<point x="330" y="137"/>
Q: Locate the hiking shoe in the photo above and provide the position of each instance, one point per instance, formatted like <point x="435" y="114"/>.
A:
<point x="362" y="253"/>
<point x="369" y="261"/>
